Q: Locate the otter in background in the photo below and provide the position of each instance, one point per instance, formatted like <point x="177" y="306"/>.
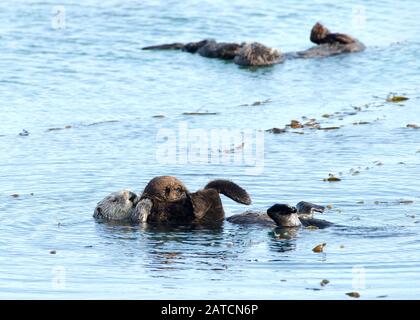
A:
<point x="208" y="48"/>
<point x="329" y="44"/>
<point x="257" y="55"/>
<point x="244" y="54"/>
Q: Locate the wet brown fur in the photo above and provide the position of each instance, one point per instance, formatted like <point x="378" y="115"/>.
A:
<point x="173" y="203"/>
<point x="329" y="44"/>
<point x="321" y="35"/>
<point x="256" y="54"/>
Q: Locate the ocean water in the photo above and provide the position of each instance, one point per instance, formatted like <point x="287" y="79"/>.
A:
<point x="82" y="70"/>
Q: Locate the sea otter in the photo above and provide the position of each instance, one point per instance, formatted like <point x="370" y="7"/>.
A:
<point x="256" y="54"/>
<point x="329" y="44"/>
<point x="284" y="215"/>
<point x="126" y="206"/>
<point x="244" y="54"/>
<point x="166" y="200"/>
<point x="173" y="203"/>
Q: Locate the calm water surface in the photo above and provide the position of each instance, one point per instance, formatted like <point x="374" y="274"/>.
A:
<point x="92" y="76"/>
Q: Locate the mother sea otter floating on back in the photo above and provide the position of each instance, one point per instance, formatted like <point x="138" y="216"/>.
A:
<point x="166" y="200"/>
<point x="256" y="54"/>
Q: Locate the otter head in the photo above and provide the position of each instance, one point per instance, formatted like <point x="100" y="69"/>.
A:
<point x="165" y="188"/>
<point x="319" y="33"/>
<point x="116" y="206"/>
<point x="167" y="198"/>
<point x="284" y="215"/>
<point x="256" y="54"/>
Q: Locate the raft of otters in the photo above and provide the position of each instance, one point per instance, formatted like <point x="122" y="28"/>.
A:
<point x="257" y="54"/>
<point x="166" y="200"/>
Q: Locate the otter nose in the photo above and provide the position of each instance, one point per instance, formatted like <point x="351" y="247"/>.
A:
<point x="98" y="212"/>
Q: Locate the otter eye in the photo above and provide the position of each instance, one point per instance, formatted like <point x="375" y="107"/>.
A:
<point x="114" y="200"/>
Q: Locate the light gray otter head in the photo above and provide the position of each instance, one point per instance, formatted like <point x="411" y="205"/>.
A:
<point x="330" y="43"/>
<point x="284" y="215"/>
<point x="257" y="54"/>
<point x="116" y="206"/>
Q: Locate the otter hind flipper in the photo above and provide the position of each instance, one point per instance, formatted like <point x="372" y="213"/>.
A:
<point x="230" y="190"/>
<point x="167" y="46"/>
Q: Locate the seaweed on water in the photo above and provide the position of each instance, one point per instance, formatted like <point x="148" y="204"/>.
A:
<point x="199" y="113"/>
<point x="332" y="178"/>
<point x="395" y="98"/>
<point x="319" y="248"/>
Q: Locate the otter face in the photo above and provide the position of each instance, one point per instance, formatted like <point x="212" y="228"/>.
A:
<point x="116" y="206"/>
<point x="165" y="188"/>
<point x="284" y="215"/>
